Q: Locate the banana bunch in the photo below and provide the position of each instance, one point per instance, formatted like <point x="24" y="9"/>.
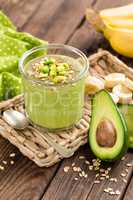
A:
<point x="117" y="27"/>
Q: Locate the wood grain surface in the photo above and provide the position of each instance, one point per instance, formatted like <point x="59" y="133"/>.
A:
<point x="59" y="21"/>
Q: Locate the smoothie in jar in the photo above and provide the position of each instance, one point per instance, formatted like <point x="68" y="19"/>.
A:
<point x="54" y="90"/>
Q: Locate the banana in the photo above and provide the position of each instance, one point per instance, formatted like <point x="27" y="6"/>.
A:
<point x="120" y="23"/>
<point x="113" y="79"/>
<point x="93" y="84"/>
<point x="114" y="97"/>
<point x="128" y="83"/>
<point x="121" y="39"/>
<point x="124" y="94"/>
<point x="123" y="12"/>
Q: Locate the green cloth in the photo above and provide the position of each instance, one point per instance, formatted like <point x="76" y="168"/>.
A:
<point x="12" y="46"/>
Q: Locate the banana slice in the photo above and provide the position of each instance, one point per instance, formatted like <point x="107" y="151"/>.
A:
<point x="113" y="79"/>
<point x="128" y="83"/>
<point x="114" y="97"/>
<point x="124" y="94"/>
<point x="93" y="84"/>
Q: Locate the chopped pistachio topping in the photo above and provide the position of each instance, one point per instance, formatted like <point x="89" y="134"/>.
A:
<point x="52" y="70"/>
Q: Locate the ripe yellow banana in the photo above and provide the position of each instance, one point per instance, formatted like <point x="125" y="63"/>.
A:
<point x="118" y="13"/>
<point x="120" y="23"/>
<point x="121" y="39"/>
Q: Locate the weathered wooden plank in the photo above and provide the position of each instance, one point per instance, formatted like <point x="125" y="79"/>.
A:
<point x="60" y="26"/>
<point x="129" y="193"/>
<point x="64" y="186"/>
<point x="20" y="11"/>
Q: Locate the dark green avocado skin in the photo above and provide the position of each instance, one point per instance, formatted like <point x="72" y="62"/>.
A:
<point x="123" y="124"/>
<point x="127" y="111"/>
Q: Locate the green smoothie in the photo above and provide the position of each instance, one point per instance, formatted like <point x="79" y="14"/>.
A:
<point x="54" y="93"/>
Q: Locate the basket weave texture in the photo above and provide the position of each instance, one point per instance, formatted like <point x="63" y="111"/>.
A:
<point x="31" y="142"/>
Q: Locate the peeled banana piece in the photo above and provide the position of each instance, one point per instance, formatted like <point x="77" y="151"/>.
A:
<point x="114" y="79"/>
<point x="93" y="84"/>
<point x="114" y="97"/>
<point x="128" y="83"/>
<point x="124" y="94"/>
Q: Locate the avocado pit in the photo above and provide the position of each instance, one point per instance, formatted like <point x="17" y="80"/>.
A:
<point x="106" y="134"/>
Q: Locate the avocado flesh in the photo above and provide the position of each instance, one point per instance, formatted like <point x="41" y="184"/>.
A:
<point x="127" y="111"/>
<point x="103" y="107"/>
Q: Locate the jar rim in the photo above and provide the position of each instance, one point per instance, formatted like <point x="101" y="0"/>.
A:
<point x="54" y="46"/>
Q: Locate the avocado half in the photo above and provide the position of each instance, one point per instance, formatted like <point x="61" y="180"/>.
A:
<point x="127" y="111"/>
<point x="108" y="137"/>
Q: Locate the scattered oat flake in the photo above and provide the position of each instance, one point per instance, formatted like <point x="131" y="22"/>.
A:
<point x="87" y="162"/>
<point x="12" y="155"/>
<point x="12" y="162"/>
<point x="112" y="192"/>
<point x="103" y="175"/>
<point x="113" y="179"/>
<point x="129" y="165"/>
<point x="86" y="175"/>
<point x="124" y="180"/>
<point x="75" y="178"/>
<point x="80" y="175"/>
<point x="102" y="170"/>
<point x="4" y="162"/>
<point x="81" y="157"/>
<point x="1" y="167"/>
<point x="117" y="192"/>
<point x="96" y="181"/>
<point x="126" y="170"/>
<point x="90" y="167"/>
<point x="123" y="158"/>
<point x="102" y="178"/>
<point x="73" y="164"/>
<point x="109" y="168"/>
<point x="106" y="190"/>
<point x="123" y="174"/>
<point x="66" y="169"/>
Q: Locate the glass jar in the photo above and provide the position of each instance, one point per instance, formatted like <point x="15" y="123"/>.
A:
<point x="57" y="106"/>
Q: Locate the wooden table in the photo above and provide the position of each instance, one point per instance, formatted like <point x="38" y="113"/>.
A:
<point x="60" y="21"/>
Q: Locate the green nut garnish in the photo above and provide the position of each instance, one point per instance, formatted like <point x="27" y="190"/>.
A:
<point x="60" y="68"/>
<point x="66" y="65"/>
<point x="53" y="73"/>
<point x="59" y="79"/>
<point x="53" y="70"/>
<point x="49" y="61"/>
<point x="45" y="69"/>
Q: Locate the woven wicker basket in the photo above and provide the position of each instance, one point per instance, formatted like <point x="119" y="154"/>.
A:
<point x="31" y="141"/>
